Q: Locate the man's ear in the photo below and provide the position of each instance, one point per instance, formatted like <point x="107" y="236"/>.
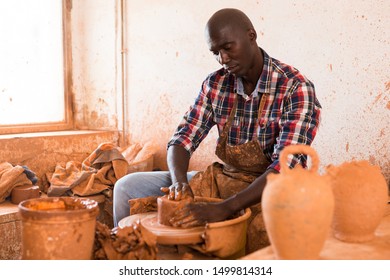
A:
<point x="252" y="34"/>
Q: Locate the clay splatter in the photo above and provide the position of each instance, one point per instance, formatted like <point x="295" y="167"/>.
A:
<point x="377" y="98"/>
<point x="387" y="86"/>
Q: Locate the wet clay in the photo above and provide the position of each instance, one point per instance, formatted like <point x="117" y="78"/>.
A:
<point x="224" y="239"/>
<point x="167" y="208"/>
<point x="132" y="242"/>
<point x="169" y="235"/>
<point x="143" y="205"/>
<point x="215" y="182"/>
<point x="361" y="195"/>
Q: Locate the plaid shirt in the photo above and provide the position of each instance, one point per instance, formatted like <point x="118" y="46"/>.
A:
<point x="290" y="116"/>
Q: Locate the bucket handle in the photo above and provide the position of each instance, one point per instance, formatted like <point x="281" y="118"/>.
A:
<point x="299" y="149"/>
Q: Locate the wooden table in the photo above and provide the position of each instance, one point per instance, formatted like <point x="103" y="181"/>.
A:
<point x="334" y="249"/>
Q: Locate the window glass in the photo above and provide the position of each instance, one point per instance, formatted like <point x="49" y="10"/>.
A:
<point x="31" y="62"/>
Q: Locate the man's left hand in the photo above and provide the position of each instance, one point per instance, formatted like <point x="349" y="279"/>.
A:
<point x="198" y="214"/>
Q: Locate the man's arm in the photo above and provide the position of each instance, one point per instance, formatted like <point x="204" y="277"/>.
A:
<point x="178" y="160"/>
<point x="249" y="196"/>
<point x="199" y="214"/>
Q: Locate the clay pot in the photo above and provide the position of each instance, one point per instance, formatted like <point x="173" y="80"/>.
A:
<point x="58" y="228"/>
<point x="297" y="208"/>
<point x="361" y="194"/>
<point x="21" y="193"/>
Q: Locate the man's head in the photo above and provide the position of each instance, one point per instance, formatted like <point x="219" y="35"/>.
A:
<point x="232" y="39"/>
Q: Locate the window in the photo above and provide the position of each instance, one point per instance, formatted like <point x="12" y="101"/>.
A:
<point x="34" y="66"/>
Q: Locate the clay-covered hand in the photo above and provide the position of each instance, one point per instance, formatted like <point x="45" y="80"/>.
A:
<point x="198" y="214"/>
<point x="178" y="191"/>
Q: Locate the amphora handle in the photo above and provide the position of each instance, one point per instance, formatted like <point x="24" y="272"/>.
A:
<point x="298" y="149"/>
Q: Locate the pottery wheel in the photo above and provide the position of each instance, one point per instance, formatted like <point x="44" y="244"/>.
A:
<point x="166" y="235"/>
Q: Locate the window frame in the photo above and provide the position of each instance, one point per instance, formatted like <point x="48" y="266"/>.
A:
<point x="68" y="122"/>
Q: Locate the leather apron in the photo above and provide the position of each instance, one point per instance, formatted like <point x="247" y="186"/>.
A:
<point x="242" y="165"/>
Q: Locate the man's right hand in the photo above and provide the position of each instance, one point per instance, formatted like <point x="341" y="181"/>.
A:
<point x="178" y="191"/>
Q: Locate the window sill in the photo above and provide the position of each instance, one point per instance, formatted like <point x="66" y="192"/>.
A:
<point x="55" y="134"/>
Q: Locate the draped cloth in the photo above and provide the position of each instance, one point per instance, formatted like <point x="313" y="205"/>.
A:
<point x="98" y="172"/>
<point x="11" y="177"/>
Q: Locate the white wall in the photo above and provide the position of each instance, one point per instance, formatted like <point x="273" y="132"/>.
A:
<point x="96" y="68"/>
<point x="342" y="46"/>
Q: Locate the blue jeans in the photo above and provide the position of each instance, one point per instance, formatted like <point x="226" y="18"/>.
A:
<point x="137" y="185"/>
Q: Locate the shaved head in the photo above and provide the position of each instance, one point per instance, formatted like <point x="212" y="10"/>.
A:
<point x="229" y="17"/>
<point x="231" y="38"/>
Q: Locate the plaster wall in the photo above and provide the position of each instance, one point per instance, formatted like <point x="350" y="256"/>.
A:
<point x="342" y="46"/>
<point x="95" y="64"/>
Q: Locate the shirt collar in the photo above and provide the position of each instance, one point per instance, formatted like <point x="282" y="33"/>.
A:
<point x="240" y="89"/>
<point x="264" y="82"/>
<point x="264" y="86"/>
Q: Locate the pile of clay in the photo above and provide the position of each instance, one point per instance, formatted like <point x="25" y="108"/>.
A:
<point x="129" y="243"/>
<point x="143" y="205"/>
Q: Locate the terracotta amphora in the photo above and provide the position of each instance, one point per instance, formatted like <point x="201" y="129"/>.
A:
<point x="298" y="208"/>
<point x="361" y="194"/>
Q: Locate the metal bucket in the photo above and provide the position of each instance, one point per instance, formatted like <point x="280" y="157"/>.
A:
<point x="58" y="228"/>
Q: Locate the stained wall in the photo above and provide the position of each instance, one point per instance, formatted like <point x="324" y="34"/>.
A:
<point x="342" y="46"/>
<point x="95" y="64"/>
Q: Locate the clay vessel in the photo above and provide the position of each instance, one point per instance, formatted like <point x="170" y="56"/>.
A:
<point x="58" y="228"/>
<point x="298" y="208"/>
<point x="361" y="194"/>
<point x="21" y="193"/>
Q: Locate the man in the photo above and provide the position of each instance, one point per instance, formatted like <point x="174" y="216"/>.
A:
<point x="259" y="105"/>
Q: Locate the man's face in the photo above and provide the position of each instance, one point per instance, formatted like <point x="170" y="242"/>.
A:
<point x="233" y="48"/>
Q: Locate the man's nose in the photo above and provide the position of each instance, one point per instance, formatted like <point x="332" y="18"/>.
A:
<point x="223" y="57"/>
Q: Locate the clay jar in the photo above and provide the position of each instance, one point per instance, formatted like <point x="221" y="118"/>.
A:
<point x="298" y="208"/>
<point x="24" y="192"/>
<point x="361" y="194"/>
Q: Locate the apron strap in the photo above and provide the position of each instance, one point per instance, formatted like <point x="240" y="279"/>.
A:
<point x="261" y="108"/>
<point x="228" y="124"/>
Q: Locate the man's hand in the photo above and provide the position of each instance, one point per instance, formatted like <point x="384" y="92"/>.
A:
<point x="178" y="191"/>
<point x="198" y="214"/>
